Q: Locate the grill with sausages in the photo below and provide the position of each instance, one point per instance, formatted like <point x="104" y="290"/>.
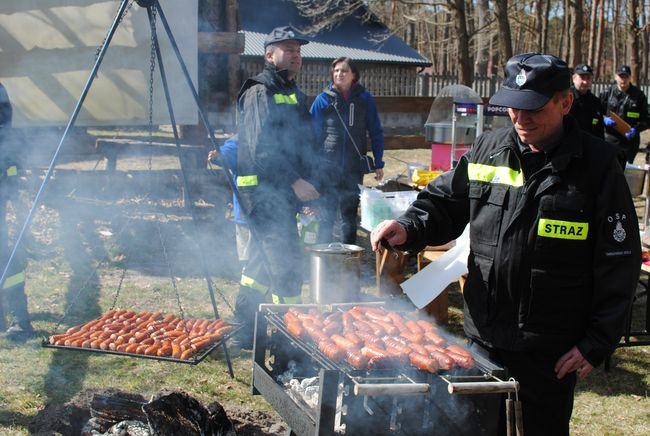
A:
<point x="377" y="371"/>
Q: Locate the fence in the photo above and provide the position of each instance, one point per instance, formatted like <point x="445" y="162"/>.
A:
<point x="385" y="80"/>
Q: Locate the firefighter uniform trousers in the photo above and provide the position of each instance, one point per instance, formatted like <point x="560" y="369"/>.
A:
<point x="275" y="249"/>
<point x="13" y="288"/>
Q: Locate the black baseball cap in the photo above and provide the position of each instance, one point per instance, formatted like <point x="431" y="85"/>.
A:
<point x="284" y="33"/>
<point x="531" y="79"/>
<point x="624" y="69"/>
<point x="583" y="69"/>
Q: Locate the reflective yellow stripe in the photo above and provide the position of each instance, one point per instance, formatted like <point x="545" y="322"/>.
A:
<point x="285" y="300"/>
<point x="14" y="280"/>
<point x="562" y="229"/>
<point x="491" y="174"/>
<point x="12" y="171"/>
<point x="251" y="283"/>
<point x="285" y="99"/>
<point x="633" y="114"/>
<point x="247" y="180"/>
<point x="594" y="121"/>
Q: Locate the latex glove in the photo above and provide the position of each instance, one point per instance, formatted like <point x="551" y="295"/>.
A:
<point x="608" y="121"/>
<point x="630" y="133"/>
<point x="304" y="190"/>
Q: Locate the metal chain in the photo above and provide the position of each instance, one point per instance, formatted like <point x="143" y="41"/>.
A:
<point x="152" y="69"/>
<point x="119" y="21"/>
<point x="169" y="269"/>
<point x="119" y="287"/>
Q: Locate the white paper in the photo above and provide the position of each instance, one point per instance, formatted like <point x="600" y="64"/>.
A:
<point x="426" y="285"/>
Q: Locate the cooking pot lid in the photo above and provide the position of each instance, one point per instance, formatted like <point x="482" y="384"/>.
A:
<point x="336" y="248"/>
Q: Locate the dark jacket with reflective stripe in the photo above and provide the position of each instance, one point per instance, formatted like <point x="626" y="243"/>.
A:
<point x="554" y="259"/>
<point x="631" y="105"/>
<point x="588" y="111"/>
<point x="276" y="141"/>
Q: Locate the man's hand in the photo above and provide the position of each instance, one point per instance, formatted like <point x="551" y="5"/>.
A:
<point x="573" y="361"/>
<point x="304" y="190"/>
<point x="630" y="133"/>
<point x="379" y="174"/>
<point x="608" y="121"/>
<point x="212" y="155"/>
<point x="391" y="231"/>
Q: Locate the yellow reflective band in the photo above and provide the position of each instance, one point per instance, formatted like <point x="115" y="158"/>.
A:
<point x="594" y="121"/>
<point x="12" y="171"/>
<point x="247" y="180"/>
<point x="633" y="115"/>
<point x="491" y="174"/>
<point x="251" y="283"/>
<point x="562" y="229"/>
<point x="285" y="300"/>
<point x="14" y="280"/>
<point x="285" y="99"/>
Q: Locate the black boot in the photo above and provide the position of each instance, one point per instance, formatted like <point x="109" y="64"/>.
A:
<point x="20" y="327"/>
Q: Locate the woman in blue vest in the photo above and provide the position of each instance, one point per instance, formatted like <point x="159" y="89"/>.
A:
<point x="344" y="115"/>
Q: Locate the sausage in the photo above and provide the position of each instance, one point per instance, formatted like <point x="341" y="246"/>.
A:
<point x="396" y="345"/>
<point x="185" y="355"/>
<point x="199" y="345"/>
<point x="314" y="332"/>
<point x="423" y="362"/>
<point x="176" y="350"/>
<point x="432" y="336"/>
<point x="426" y="325"/>
<point x="332" y="327"/>
<point x="412" y="337"/>
<point x="334" y="317"/>
<point x="362" y="326"/>
<point x="418" y="348"/>
<point x="388" y="327"/>
<point x="445" y="361"/>
<point x="331" y="350"/>
<point x="347" y="321"/>
<point x="350" y="335"/>
<point x="152" y="350"/>
<point x="131" y="348"/>
<point x="356" y="359"/>
<point x="357" y="314"/>
<point x="371" y="351"/>
<point x="461" y="356"/>
<point x="377" y="330"/>
<point x="343" y="342"/>
<point x="369" y="338"/>
<point x="164" y="350"/>
<point x="295" y="329"/>
<point x="413" y="326"/>
<point x="377" y="315"/>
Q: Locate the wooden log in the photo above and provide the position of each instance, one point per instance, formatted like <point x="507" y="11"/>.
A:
<point x="221" y="42"/>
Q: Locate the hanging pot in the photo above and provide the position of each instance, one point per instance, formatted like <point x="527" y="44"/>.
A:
<point x="335" y="273"/>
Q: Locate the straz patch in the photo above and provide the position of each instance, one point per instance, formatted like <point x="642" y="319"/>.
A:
<point x="558" y="229"/>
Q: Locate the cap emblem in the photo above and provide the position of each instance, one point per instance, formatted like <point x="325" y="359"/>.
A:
<point x="521" y="78"/>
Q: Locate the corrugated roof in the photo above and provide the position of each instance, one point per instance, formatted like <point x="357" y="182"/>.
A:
<point x="361" y="40"/>
<point x="319" y="50"/>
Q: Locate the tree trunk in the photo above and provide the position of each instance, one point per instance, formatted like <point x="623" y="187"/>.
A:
<point x="591" y="59"/>
<point x="503" y="27"/>
<point x="462" y="44"/>
<point x="482" y="39"/>
<point x="632" y="38"/>
<point x="576" y="27"/>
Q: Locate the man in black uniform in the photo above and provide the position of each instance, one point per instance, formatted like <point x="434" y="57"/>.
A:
<point x="276" y="145"/>
<point x="13" y="288"/>
<point x="554" y="241"/>
<point x="629" y="103"/>
<point x="586" y="106"/>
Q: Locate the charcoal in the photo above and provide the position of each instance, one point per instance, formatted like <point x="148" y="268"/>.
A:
<point x="177" y="413"/>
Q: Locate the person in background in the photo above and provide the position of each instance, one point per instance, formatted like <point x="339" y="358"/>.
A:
<point x="343" y="115"/>
<point x="13" y="288"/>
<point x="586" y="106"/>
<point x="630" y="103"/>
<point x="274" y="154"/>
<point x="554" y="241"/>
<point x="242" y="233"/>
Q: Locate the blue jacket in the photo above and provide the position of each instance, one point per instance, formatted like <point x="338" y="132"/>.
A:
<point x="335" y="148"/>
<point x="229" y="153"/>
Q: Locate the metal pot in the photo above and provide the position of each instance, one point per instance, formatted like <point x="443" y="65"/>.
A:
<point x="635" y="176"/>
<point x="335" y="272"/>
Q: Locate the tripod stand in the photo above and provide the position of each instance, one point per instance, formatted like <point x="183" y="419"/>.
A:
<point x="153" y="9"/>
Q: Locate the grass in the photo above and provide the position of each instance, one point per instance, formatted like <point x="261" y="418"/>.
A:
<point x="77" y="253"/>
